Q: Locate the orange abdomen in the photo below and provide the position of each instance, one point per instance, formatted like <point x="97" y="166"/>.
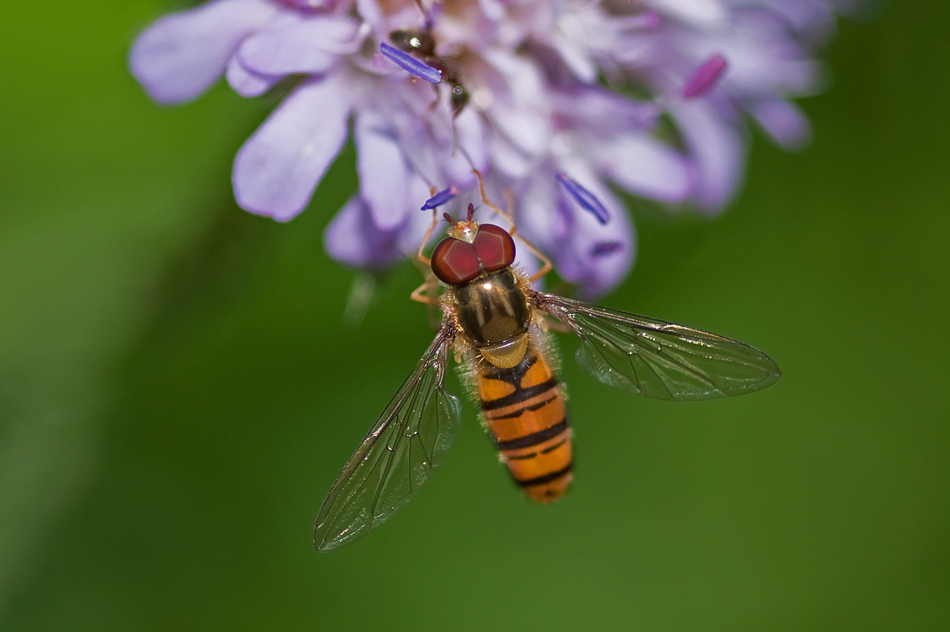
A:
<point x="525" y="412"/>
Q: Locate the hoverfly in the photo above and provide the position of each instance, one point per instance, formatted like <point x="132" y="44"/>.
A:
<point x="496" y="321"/>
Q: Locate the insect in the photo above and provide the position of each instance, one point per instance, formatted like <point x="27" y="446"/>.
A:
<point x="496" y="321"/>
<point x="421" y="44"/>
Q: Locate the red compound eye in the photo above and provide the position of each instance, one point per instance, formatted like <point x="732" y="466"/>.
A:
<point x="454" y="261"/>
<point x="494" y="247"/>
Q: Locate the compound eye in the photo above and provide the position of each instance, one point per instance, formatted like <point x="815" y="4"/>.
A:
<point x="494" y="246"/>
<point x="454" y="261"/>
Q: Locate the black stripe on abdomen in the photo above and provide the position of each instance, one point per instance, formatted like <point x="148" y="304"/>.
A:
<point x="534" y="438"/>
<point x="531" y="455"/>
<point x="526" y="409"/>
<point x="547" y="478"/>
<point x="520" y="395"/>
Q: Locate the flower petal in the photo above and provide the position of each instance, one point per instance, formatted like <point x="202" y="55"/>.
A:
<point x="783" y="121"/>
<point x="576" y="58"/>
<point x="277" y="169"/>
<point x="644" y="166"/>
<point x="307" y="5"/>
<point x="716" y="149"/>
<point x="583" y="258"/>
<point x="298" y="44"/>
<point x="537" y="213"/>
<point x="181" y="55"/>
<point x="248" y="83"/>
<point x="494" y="10"/>
<point x="471" y="140"/>
<point x="383" y="172"/>
<point x="508" y="159"/>
<point x="521" y="115"/>
<point x="353" y="239"/>
<point x="417" y="223"/>
<point x="604" y="113"/>
<point x="705" y="13"/>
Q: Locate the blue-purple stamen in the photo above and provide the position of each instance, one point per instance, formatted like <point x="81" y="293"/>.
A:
<point x="585" y="198"/>
<point x="440" y="198"/>
<point x="410" y="64"/>
<point x="705" y="77"/>
<point x="604" y="248"/>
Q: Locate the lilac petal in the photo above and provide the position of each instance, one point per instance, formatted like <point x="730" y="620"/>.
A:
<point x="181" y="55"/>
<point x="534" y="214"/>
<point x="352" y="238"/>
<point x="646" y="21"/>
<point x="248" y="83"/>
<point x="371" y="13"/>
<point x="582" y="257"/>
<point x="471" y="151"/>
<point x="577" y="59"/>
<point x="298" y="44"/>
<point x="414" y="229"/>
<point x="717" y="150"/>
<point x="705" y="77"/>
<point x="647" y="167"/>
<point x="813" y="19"/>
<point x="585" y="198"/>
<point x="277" y="169"/>
<point x="306" y="4"/>
<point x="520" y="115"/>
<point x="508" y="159"/>
<point x="382" y="169"/>
<point x="703" y="13"/>
<point x="525" y="129"/>
<point x="763" y="58"/>
<point x="603" y="112"/>
<point x="410" y="64"/>
<point x="783" y="121"/>
<point x="440" y="198"/>
<point x="494" y="10"/>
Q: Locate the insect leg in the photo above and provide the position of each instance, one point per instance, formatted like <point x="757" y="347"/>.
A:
<point x="420" y="294"/>
<point x="425" y="240"/>
<point x="509" y="217"/>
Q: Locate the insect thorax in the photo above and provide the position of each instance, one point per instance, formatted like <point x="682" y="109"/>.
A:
<point x="494" y="315"/>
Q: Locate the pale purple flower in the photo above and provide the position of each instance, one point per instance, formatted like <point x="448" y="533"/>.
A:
<point x="539" y="123"/>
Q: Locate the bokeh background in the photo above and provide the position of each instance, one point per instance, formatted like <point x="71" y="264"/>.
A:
<point x="179" y="385"/>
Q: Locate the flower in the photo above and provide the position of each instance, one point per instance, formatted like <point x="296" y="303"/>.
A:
<point x="536" y="94"/>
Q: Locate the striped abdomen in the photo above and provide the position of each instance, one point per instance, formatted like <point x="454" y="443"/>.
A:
<point x="525" y="413"/>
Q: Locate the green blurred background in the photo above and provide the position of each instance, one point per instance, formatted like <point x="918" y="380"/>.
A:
<point x="178" y="386"/>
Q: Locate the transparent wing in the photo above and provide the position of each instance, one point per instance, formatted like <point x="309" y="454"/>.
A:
<point x="398" y="455"/>
<point x="658" y="359"/>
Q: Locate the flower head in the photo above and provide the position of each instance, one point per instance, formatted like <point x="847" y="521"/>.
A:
<point x="534" y="93"/>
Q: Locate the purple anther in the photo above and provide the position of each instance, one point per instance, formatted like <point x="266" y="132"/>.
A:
<point x="604" y="248"/>
<point x="585" y="198"/>
<point x="705" y="77"/>
<point x="410" y="64"/>
<point x="440" y="198"/>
